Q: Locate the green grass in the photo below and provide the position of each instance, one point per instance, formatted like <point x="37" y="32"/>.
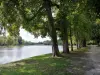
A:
<point x="43" y="65"/>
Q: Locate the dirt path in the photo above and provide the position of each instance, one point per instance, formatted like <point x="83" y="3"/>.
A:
<point x="94" y="57"/>
<point x="85" y="63"/>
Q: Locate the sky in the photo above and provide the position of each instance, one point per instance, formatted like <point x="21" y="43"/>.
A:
<point x="29" y="37"/>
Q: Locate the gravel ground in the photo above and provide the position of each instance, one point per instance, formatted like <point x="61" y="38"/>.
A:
<point x="94" y="57"/>
<point x="85" y="63"/>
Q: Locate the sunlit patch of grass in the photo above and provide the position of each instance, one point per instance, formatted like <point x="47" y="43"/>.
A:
<point x="41" y="65"/>
<point x="84" y="49"/>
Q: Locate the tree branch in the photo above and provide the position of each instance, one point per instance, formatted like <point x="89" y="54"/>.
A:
<point x="41" y="8"/>
<point x="23" y="14"/>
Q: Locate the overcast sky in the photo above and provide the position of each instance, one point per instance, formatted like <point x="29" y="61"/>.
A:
<point x="29" y="37"/>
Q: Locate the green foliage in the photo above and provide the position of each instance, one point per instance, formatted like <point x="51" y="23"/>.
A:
<point x="10" y="40"/>
<point x="13" y="30"/>
<point x="6" y="41"/>
<point x="82" y="26"/>
<point x="96" y="31"/>
<point x="32" y="16"/>
<point x="27" y="43"/>
<point x="2" y="40"/>
<point x="48" y="42"/>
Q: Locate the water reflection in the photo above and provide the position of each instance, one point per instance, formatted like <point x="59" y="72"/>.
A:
<point x="21" y="52"/>
<point x="18" y="52"/>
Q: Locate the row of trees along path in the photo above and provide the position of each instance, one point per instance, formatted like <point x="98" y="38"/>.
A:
<point x="65" y="19"/>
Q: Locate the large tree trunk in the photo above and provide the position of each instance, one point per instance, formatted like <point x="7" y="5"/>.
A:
<point x="53" y="34"/>
<point x="98" y="42"/>
<point x="65" y="41"/>
<point x="77" y="44"/>
<point x="80" y="44"/>
<point x="71" y="42"/>
<point x="84" y="43"/>
<point x="64" y="27"/>
<point x="65" y="46"/>
<point x="65" y="36"/>
<point x="77" y="41"/>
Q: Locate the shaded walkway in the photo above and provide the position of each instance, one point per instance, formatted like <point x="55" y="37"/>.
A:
<point x="94" y="56"/>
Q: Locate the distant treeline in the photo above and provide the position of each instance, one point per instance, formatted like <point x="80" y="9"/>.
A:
<point x="12" y="41"/>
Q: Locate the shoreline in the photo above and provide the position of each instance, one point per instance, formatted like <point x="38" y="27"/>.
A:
<point x="47" y="65"/>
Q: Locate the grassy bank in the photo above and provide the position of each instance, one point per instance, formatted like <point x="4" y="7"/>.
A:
<point x="71" y="64"/>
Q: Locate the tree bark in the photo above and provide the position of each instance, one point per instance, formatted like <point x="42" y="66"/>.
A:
<point x="77" y="44"/>
<point x="65" y="35"/>
<point x="80" y="43"/>
<point x="98" y="43"/>
<point x="53" y="34"/>
<point x="71" y="42"/>
<point x="84" y="43"/>
<point x="65" y="46"/>
<point x="77" y="41"/>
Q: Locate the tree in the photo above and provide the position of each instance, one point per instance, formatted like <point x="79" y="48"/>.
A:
<point x="96" y="31"/>
<point x="65" y="8"/>
<point x="26" y="13"/>
<point x="20" y="41"/>
<point x="82" y="29"/>
<point x="63" y="24"/>
<point x="70" y="19"/>
<point x="52" y="29"/>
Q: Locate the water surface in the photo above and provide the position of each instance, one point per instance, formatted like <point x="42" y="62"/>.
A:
<point x="8" y="55"/>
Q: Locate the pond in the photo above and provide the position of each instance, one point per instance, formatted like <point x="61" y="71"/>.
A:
<point x="8" y="55"/>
